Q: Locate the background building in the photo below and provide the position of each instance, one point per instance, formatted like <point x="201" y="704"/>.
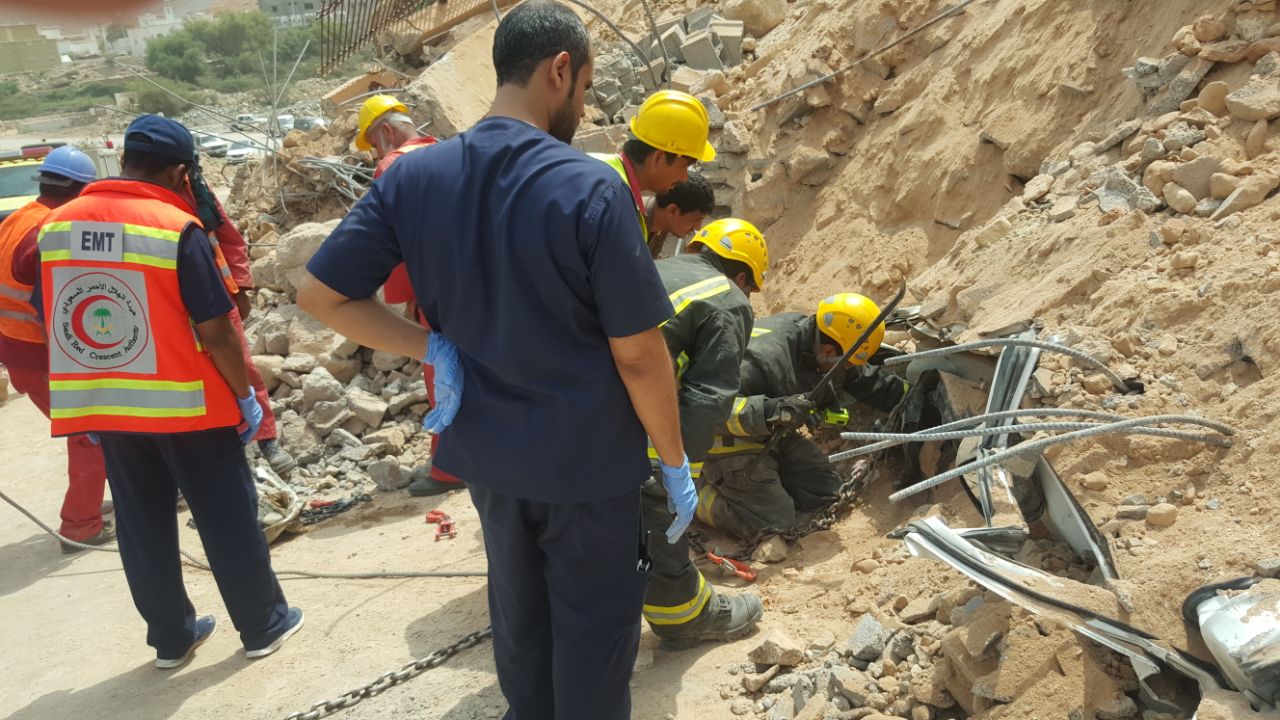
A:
<point x="23" y="48"/>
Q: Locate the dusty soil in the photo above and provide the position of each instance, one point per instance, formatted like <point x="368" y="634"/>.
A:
<point x="79" y="647"/>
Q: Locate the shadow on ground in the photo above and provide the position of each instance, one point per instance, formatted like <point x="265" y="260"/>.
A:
<point x="136" y="694"/>
<point x="30" y="560"/>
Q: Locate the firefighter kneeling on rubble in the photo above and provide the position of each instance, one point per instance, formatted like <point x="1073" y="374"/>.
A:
<point x="706" y="337"/>
<point x="742" y="493"/>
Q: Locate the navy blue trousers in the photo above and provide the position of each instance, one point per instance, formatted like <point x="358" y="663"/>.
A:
<point x="145" y="473"/>
<point x="564" y="599"/>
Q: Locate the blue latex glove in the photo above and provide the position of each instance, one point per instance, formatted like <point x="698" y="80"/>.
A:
<point x="251" y="411"/>
<point x="443" y="356"/>
<point x="682" y="497"/>
<point x="93" y="438"/>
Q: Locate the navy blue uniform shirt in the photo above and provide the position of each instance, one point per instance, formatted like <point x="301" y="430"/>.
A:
<point x="526" y="254"/>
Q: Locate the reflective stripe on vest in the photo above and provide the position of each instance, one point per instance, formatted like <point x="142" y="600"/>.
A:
<point x="695" y="468"/>
<point x="701" y="290"/>
<point x="131" y="398"/>
<point x="121" y="353"/>
<point x="706" y="500"/>
<point x="735" y="416"/>
<point x="682" y="613"/>
<point x="615" y="162"/>
<point x="757" y="332"/>
<point x="141" y="245"/>
<point x="18" y="319"/>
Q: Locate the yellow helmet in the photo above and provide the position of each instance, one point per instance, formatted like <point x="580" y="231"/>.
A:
<point x="844" y="317"/>
<point x="372" y="109"/>
<point x="674" y="122"/>
<point x="736" y="240"/>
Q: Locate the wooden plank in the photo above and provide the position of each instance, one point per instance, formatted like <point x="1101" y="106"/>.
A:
<point x="444" y="16"/>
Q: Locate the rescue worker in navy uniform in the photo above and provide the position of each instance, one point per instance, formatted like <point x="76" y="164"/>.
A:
<point x="550" y="366"/>
<point x="706" y="338"/>
<point x="143" y="356"/>
<point x="742" y="493"/>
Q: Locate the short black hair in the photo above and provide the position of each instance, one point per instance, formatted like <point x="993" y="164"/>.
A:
<point x="637" y="151"/>
<point x="146" y="162"/>
<point x="536" y="31"/>
<point x="61" y="193"/>
<point x="732" y="268"/>
<point x="692" y="195"/>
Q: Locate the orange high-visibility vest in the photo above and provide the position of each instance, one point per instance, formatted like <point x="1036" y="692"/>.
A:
<point x="123" y="352"/>
<point x="17" y="314"/>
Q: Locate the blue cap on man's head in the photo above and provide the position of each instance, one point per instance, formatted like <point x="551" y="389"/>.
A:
<point x="160" y="136"/>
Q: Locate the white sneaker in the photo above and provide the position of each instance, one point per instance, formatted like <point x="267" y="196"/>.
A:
<point x="295" y="624"/>
<point x="204" y="630"/>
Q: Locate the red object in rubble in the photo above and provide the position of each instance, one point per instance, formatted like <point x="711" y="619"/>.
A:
<point x="446" y="527"/>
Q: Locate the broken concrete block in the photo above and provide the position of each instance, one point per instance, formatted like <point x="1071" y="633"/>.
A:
<point x="699" y="19"/>
<point x="672" y="41"/>
<point x="1181" y="86"/>
<point x="657" y="68"/>
<point x="715" y="116"/>
<point x="1117" y="136"/>
<point x="1037" y="187"/>
<point x="730" y="33"/>
<point x="1226" y="51"/>
<point x="868" y="639"/>
<point x="777" y="648"/>
<point x="685" y="78"/>
<point x="759" y="16"/>
<point x="1257" y="100"/>
<point x="388" y="475"/>
<point x="1222" y="185"/>
<point x="701" y="53"/>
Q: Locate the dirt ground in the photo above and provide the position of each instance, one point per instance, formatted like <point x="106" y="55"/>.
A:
<point x="77" y="646"/>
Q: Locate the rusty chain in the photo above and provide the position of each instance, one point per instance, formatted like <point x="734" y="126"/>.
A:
<point x="390" y="679"/>
<point x="821" y="520"/>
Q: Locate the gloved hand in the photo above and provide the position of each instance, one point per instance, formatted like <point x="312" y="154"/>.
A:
<point x="443" y="356"/>
<point x="682" y="497"/>
<point x="787" y="413"/>
<point x="251" y="411"/>
<point x="93" y="438"/>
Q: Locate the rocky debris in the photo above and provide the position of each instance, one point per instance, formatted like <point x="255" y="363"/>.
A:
<point x="455" y="91"/>
<point x="868" y="639"/>
<point x="772" y="550"/>
<point x="777" y="648"/>
<point x="1252" y="191"/>
<point x="295" y="248"/>
<point x="1162" y="515"/>
<point x="1259" y="99"/>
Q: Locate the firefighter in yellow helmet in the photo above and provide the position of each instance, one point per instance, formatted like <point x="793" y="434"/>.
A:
<point x="386" y="131"/>
<point x="706" y="337"/>
<point x="668" y="138"/>
<point x="742" y="493"/>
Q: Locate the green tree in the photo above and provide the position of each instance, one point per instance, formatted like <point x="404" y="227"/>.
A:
<point x="115" y="31"/>
<point x="176" y="57"/>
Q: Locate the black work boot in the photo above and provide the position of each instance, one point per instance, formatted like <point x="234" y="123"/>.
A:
<point x="421" y="484"/>
<point x="724" y="619"/>
<point x="277" y="457"/>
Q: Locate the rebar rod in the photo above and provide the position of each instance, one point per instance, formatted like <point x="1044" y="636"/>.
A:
<point x="1027" y="447"/>
<point x="1071" y="352"/>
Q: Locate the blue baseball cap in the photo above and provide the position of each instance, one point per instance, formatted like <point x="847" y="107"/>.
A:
<point x="160" y="136"/>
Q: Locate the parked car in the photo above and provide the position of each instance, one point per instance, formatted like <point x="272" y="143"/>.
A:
<point x="240" y="152"/>
<point x="280" y="125"/>
<point x="307" y="124"/>
<point x="246" y="122"/>
<point x="210" y="145"/>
